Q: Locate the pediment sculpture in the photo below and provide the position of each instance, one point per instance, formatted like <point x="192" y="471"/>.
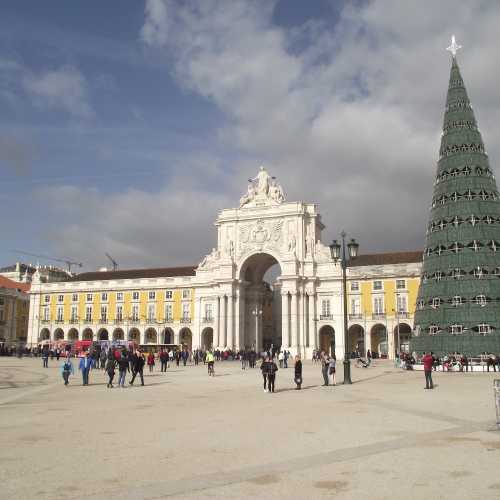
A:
<point x="262" y="190"/>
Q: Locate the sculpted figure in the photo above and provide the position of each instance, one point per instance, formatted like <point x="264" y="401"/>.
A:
<point x="249" y="196"/>
<point x="263" y="180"/>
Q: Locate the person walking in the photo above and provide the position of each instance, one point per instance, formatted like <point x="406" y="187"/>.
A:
<point x="272" y="368"/>
<point x="332" y="367"/>
<point x="45" y="356"/>
<point x="428" y="362"/>
<point x="139" y="363"/>
<point x="86" y="364"/>
<point x="286" y="355"/>
<point x="163" y="361"/>
<point x="103" y="358"/>
<point x="67" y="370"/>
<point x="263" y="369"/>
<point x="110" y="368"/>
<point x="298" y="372"/>
<point x="324" y="367"/>
<point x="281" y="357"/>
<point x="210" y="362"/>
<point x="123" y="368"/>
<point x="151" y="361"/>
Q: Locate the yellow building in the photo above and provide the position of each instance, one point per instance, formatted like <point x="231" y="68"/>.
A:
<point x="14" y="312"/>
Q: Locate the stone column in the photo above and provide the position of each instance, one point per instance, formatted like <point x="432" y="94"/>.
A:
<point x="294" y="320"/>
<point x="230" y="321"/>
<point x="313" y="338"/>
<point x="237" y="319"/>
<point x="285" y="320"/>
<point x="222" y="323"/>
<point x="216" y="339"/>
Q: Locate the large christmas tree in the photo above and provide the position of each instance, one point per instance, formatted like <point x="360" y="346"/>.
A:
<point x="458" y="304"/>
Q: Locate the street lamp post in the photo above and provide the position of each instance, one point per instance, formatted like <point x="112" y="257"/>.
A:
<point x="338" y="253"/>
<point x="257" y="313"/>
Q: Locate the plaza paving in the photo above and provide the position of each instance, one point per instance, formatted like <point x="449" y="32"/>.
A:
<point x="187" y="435"/>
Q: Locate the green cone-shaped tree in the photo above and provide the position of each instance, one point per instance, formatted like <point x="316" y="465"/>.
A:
<point x="458" y="305"/>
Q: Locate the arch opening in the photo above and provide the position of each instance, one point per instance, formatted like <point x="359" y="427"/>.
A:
<point x="357" y="340"/>
<point x="378" y="338"/>
<point x="327" y="339"/>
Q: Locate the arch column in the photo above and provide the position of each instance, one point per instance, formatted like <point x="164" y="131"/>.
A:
<point x="239" y="328"/>
<point x="230" y="321"/>
<point x="285" y="320"/>
<point x="294" y="321"/>
<point x="313" y="334"/>
<point x="216" y="340"/>
<point x="223" y="333"/>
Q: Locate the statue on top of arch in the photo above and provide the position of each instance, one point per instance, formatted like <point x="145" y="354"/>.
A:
<point x="263" y="190"/>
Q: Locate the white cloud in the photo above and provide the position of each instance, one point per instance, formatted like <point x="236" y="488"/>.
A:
<point x="64" y="88"/>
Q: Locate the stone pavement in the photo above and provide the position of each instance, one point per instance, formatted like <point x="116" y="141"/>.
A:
<point x="186" y="435"/>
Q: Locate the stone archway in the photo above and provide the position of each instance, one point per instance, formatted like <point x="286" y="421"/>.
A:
<point x="134" y="335"/>
<point x="357" y="339"/>
<point x="58" y="334"/>
<point x="151" y="336"/>
<point x="87" y="334"/>
<point x="259" y="315"/>
<point x="73" y="335"/>
<point x="103" y="334"/>
<point x="378" y="339"/>
<point x="168" y="336"/>
<point x="118" y="334"/>
<point x="44" y="334"/>
<point x="207" y="338"/>
<point x="186" y="338"/>
<point x="404" y="337"/>
<point x="327" y="339"/>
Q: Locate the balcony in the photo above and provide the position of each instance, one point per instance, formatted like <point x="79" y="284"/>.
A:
<point x="185" y="320"/>
<point x="324" y="317"/>
<point x="73" y="321"/>
<point x="169" y="319"/>
<point x="134" y="321"/>
<point x="378" y="316"/>
<point x="104" y="320"/>
<point x="118" y="321"/>
<point x="44" y="321"/>
<point x="59" y="321"/>
<point x="355" y="316"/>
<point x="207" y="320"/>
<point x="403" y="314"/>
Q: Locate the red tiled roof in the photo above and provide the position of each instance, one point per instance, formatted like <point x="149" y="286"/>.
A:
<point x="380" y="259"/>
<point x="8" y="283"/>
<point x="123" y="274"/>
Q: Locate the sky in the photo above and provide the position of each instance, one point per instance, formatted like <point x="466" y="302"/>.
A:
<point x="125" y="127"/>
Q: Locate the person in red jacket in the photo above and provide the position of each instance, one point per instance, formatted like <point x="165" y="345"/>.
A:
<point x="428" y="361"/>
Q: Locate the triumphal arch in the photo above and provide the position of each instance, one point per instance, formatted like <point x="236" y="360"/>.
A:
<point x="267" y="231"/>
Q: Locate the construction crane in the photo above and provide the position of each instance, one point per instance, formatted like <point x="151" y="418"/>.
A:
<point x="113" y="261"/>
<point x="68" y="262"/>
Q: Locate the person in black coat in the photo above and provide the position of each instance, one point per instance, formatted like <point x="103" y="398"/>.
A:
<point x="271" y="368"/>
<point x="298" y="372"/>
<point x="110" y="368"/>
<point x="123" y="368"/>
<point x="138" y="367"/>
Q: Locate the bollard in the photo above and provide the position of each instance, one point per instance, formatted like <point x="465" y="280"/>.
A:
<point x="496" y="386"/>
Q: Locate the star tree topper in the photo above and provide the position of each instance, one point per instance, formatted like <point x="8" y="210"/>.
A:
<point x="454" y="47"/>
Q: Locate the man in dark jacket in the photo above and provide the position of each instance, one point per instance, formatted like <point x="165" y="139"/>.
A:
<point x="138" y="367"/>
<point x="428" y="362"/>
<point x="271" y="369"/>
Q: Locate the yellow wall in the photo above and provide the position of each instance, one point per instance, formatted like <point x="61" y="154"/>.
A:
<point x="160" y="305"/>
<point x="96" y="307"/>
<point x="177" y="309"/>
<point x="67" y="307"/>
<point x="127" y="307"/>
<point x="81" y="307"/>
<point x="111" y="306"/>
<point x="413" y="285"/>
<point x="53" y="307"/>
<point x="390" y="297"/>
<point x="366" y="297"/>
<point x="143" y="300"/>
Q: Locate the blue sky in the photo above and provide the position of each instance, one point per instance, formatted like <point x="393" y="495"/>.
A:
<point x="126" y="126"/>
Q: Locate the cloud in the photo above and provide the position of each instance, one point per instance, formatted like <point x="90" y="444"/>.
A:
<point x="15" y="156"/>
<point x="64" y="89"/>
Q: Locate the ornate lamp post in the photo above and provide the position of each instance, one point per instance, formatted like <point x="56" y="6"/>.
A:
<point x="338" y="253"/>
<point x="257" y="312"/>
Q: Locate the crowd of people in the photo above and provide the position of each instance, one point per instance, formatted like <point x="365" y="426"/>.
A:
<point x="455" y="361"/>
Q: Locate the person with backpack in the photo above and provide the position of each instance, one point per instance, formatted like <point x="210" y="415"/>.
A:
<point x="271" y="369"/>
<point x="138" y="367"/>
<point x="67" y="370"/>
<point x="110" y="368"/>
<point x="263" y="369"/>
<point x="298" y="372"/>
<point x="123" y="368"/>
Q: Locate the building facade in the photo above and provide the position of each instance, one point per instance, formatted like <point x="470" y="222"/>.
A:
<point x="226" y="301"/>
<point x="14" y="312"/>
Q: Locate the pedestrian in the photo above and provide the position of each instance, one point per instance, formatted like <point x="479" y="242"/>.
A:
<point x="263" y="369"/>
<point x="103" y="358"/>
<point x="286" y="355"/>
<point x="272" y="368"/>
<point x="210" y="362"/>
<point x="281" y="357"/>
<point x="163" y="361"/>
<point x="110" y="368"/>
<point x="325" y="360"/>
<point x="45" y="357"/>
<point x="298" y="372"/>
<point x="428" y="362"/>
<point x="67" y="370"/>
<point x="139" y="363"/>
<point x="123" y="368"/>
<point x="332" y="365"/>
<point x="151" y="361"/>
<point x="86" y="364"/>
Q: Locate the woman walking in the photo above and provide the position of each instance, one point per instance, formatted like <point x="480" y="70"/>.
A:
<point x="263" y="369"/>
<point x="151" y="361"/>
<point x="110" y="368"/>
<point x="298" y="372"/>
<point x="123" y="368"/>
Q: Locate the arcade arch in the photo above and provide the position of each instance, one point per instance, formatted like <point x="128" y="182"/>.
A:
<point x="151" y="336"/>
<point x="45" y="334"/>
<point x="378" y="339"/>
<point x="357" y="339"/>
<point x="73" y="334"/>
<point x="103" y="334"/>
<point x="134" y="335"/>
<point x="118" y="334"/>
<point x="327" y="339"/>
<point x="186" y="338"/>
<point x="404" y="337"/>
<point x="58" y="334"/>
<point x="207" y="338"/>
<point x="168" y="336"/>
<point x="87" y="334"/>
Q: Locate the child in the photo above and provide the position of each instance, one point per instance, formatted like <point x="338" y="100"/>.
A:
<point x="298" y="372"/>
<point x="67" y="370"/>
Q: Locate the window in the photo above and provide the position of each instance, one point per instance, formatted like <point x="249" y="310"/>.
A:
<point x="46" y="314"/>
<point x="135" y="312"/>
<point x="168" y="295"/>
<point x="354" y="286"/>
<point x="438" y="275"/>
<point x="89" y="297"/>
<point x="325" y="308"/>
<point x="88" y="313"/>
<point x="433" y="329"/>
<point x="152" y="295"/>
<point x="481" y="300"/>
<point x="46" y="299"/>
<point x="135" y="295"/>
<point x="355" y="308"/>
<point x="151" y="312"/>
<point x="484" y="329"/>
<point x="378" y="305"/>
<point x="457" y="273"/>
<point x="436" y="302"/>
<point x="186" y="294"/>
<point x="168" y="312"/>
<point x="377" y="285"/>
<point x="208" y="311"/>
<point x="119" y="313"/>
<point x="402" y="304"/>
<point x="74" y="297"/>
<point x="60" y="298"/>
<point x="185" y="311"/>
<point x="400" y="284"/>
<point x="74" y="313"/>
<point x="456" y="301"/>
<point x="456" y="329"/>
<point x="119" y="296"/>
<point x="104" y="313"/>
<point x="104" y="296"/>
<point x="59" y="314"/>
<point x="420" y="304"/>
